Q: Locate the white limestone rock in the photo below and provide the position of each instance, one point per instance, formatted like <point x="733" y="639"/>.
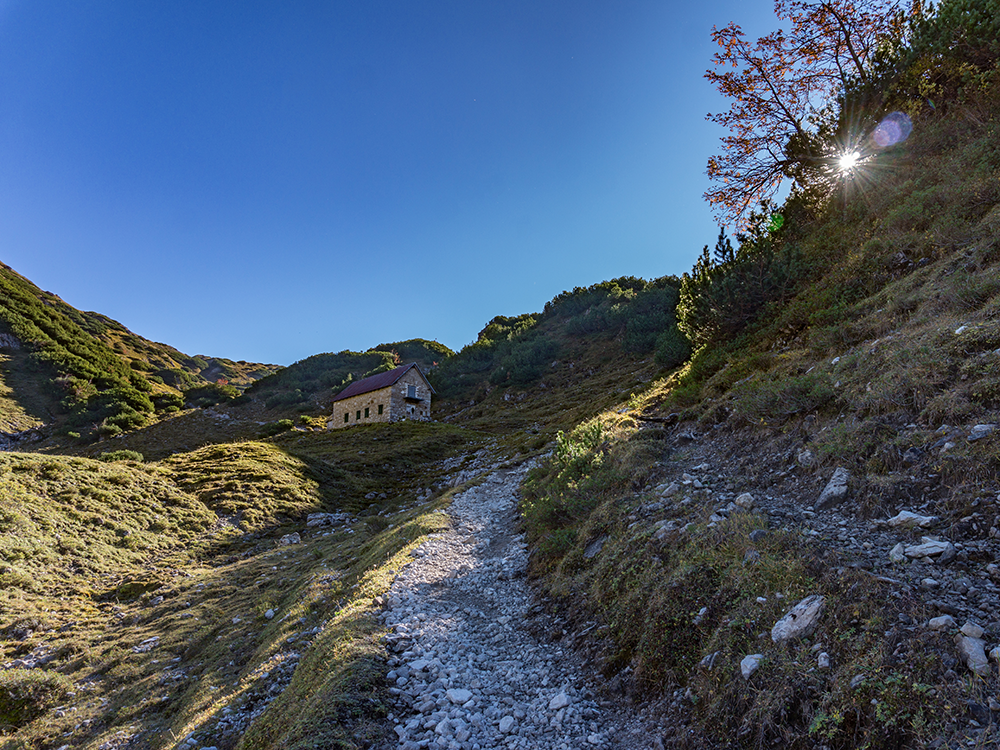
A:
<point x="800" y="621"/>
<point x="836" y="489"/>
<point x="907" y="520"/>
<point x="750" y="664"/>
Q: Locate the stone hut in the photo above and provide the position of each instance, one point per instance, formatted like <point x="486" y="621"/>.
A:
<point x="402" y="393"/>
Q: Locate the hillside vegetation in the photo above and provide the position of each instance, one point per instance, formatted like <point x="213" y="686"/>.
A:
<point x="860" y="330"/>
<point x="89" y="376"/>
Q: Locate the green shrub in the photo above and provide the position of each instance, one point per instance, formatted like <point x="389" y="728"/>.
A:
<point x="727" y="289"/>
<point x="672" y="347"/>
<point x="211" y="394"/>
<point x="106" y="429"/>
<point x="121" y="455"/>
<point x="276" y="428"/>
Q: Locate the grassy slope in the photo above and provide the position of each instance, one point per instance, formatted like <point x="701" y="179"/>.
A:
<point x="894" y="338"/>
<point x="99" y="557"/>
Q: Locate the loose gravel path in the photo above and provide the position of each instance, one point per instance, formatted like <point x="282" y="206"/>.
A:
<point x="469" y="671"/>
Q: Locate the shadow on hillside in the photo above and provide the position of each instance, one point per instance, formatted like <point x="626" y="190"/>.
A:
<point x="24" y="402"/>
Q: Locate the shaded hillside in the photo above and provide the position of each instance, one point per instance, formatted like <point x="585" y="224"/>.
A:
<point x="87" y="374"/>
<point x="587" y="348"/>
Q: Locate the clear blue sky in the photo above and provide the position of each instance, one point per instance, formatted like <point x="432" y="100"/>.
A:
<point x="266" y="181"/>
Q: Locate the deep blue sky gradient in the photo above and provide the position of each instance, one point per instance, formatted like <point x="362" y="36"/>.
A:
<point x="266" y="181"/>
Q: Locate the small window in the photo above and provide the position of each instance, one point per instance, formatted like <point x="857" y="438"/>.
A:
<point x="347" y="417"/>
<point x="366" y="413"/>
<point x="380" y="408"/>
<point x="411" y="391"/>
<point x="358" y="417"/>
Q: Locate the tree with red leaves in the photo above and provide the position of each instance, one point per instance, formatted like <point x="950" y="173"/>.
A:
<point x="782" y="89"/>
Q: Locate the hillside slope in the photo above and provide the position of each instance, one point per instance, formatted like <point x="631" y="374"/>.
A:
<point x="835" y="436"/>
<point x="85" y="374"/>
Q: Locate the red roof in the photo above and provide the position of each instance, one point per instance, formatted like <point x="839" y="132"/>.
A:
<point x="377" y="382"/>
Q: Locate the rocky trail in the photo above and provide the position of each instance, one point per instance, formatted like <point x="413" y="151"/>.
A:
<point x="471" y="663"/>
<point x="476" y="663"/>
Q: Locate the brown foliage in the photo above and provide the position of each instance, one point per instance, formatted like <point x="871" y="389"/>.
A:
<point x="781" y="89"/>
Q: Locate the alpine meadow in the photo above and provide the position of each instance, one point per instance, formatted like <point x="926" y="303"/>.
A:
<point x="753" y="506"/>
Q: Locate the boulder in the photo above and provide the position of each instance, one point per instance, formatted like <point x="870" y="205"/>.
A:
<point x="930" y="547"/>
<point x="800" y="621"/>
<point x="980" y="431"/>
<point x="836" y="490"/>
<point x="973" y="652"/>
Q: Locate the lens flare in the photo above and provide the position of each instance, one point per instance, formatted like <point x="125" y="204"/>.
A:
<point x="894" y="128"/>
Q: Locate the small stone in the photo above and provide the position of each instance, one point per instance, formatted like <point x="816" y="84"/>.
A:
<point x="928" y="584"/>
<point x="507" y="725"/>
<point x="980" y="431"/>
<point x="458" y="696"/>
<point x="671" y="489"/>
<point x="708" y="661"/>
<point x="800" y="621"/>
<point x="559" y="701"/>
<point x="836" y="489"/>
<point x="750" y="664"/>
<point x="288" y="539"/>
<point x="757" y="535"/>
<point x="972" y="650"/>
<point x="806" y="458"/>
<point x="269" y="615"/>
<point x="972" y="630"/>
<point x="857" y="681"/>
<point x="897" y="554"/>
<point x="907" y="520"/>
<point x="941" y="623"/>
<point x="823" y="661"/>
<point x="745" y="501"/>
<point x="595" y="547"/>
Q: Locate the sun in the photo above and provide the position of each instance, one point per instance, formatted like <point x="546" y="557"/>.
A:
<point x="848" y="161"/>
